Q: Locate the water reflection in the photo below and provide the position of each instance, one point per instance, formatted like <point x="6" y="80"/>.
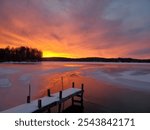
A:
<point x="101" y="93"/>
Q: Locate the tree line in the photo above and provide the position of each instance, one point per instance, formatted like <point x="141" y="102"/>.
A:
<point x="20" y="54"/>
<point x="97" y="59"/>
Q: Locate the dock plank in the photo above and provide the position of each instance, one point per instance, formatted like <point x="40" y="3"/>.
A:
<point x="68" y="92"/>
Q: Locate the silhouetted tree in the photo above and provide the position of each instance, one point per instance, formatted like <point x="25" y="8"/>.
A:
<point x="20" y="54"/>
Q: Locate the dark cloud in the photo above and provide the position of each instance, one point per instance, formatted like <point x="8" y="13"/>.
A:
<point x="143" y="52"/>
<point x="57" y="37"/>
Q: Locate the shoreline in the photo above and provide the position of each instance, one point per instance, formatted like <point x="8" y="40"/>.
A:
<point x="91" y="62"/>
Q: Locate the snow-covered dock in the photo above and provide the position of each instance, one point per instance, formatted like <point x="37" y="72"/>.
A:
<point x="49" y="101"/>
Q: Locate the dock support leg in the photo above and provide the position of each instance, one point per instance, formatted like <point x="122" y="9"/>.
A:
<point x="72" y="97"/>
<point x="82" y="88"/>
<point x="49" y="95"/>
<point x="59" y="108"/>
<point x="60" y="97"/>
<point x="72" y="101"/>
<point x="49" y="110"/>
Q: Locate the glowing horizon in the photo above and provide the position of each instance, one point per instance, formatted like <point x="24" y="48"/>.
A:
<point x="47" y="54"/>
<point x="70" y="28"/>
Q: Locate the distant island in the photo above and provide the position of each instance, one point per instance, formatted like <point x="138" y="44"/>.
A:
<point x="96" y="59"/>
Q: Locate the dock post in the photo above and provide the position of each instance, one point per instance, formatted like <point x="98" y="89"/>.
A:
<point x="82" y="89"/>
<point x="28" y="99"/>
<point x="72" y="84"/>
<point x="60" y="97"/>
<point x="48" y="92"/>
<point x="29" y="96"/>
<point x="39" y="103"/>
<point x="72" y="97"/>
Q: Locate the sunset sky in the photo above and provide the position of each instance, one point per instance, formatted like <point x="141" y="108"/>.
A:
<point x="77" y="28"/>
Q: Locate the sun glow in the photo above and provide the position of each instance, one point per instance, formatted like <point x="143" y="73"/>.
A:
<point x="54" y="54"/>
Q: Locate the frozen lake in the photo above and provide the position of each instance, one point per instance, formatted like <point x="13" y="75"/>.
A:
<point x="109" y="87"/>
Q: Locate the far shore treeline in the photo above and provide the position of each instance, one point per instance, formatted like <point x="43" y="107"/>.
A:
<point x="97" y="59"/>
<point x="20" y="54"/>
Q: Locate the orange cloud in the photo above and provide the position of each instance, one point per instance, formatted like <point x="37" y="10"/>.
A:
<point x="70" y="28"/>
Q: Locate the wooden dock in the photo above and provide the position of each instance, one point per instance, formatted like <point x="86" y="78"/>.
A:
<point x="47" y="102"/>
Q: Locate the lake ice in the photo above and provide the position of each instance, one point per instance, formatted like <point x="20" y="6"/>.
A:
<point x="15" y="78"/>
